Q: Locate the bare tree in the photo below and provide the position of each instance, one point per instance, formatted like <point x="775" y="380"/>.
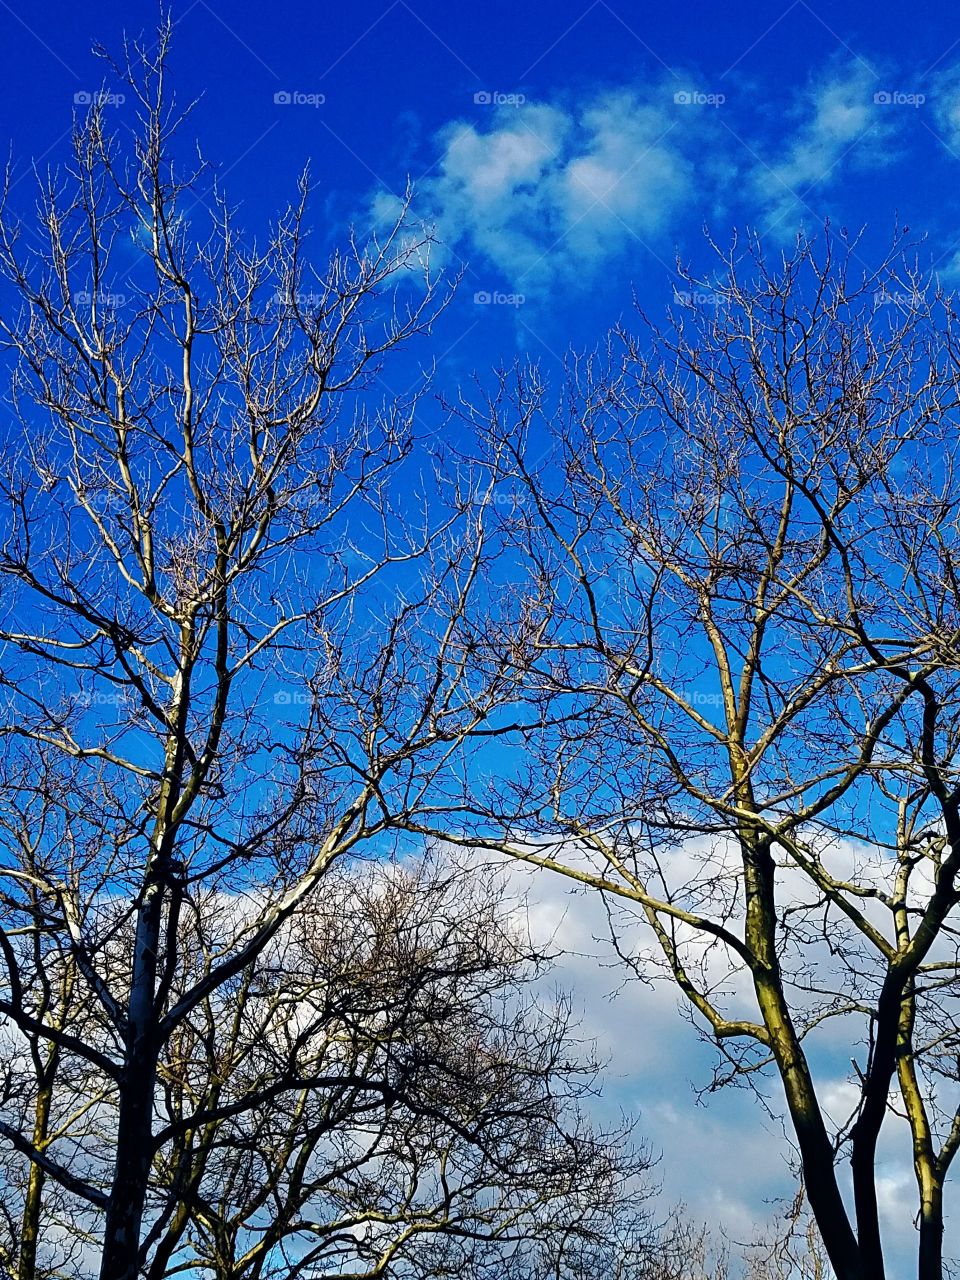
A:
<point x="380" y="1092"/>
<point x="251" y="626"/>
<point x="747" y="678"/>
<point x="445" y="1137"/>
<point x="236" y="591"/>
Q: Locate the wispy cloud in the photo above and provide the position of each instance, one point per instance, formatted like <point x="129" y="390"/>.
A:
<point x="545" y="192"/>
<point x="839" y="123"/>
<point x="945" y="95"/>
<point x="548" y="194"/>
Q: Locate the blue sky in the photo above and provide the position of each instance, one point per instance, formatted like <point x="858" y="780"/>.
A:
<point x="567" y="153"/>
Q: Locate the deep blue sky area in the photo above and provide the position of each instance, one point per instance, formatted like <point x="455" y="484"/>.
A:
<point x="614" y="132"/>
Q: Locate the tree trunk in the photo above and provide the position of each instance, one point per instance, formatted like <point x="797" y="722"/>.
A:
<point x="128" y="1192"/>
<point x="816" y="1151"/>
<point x="865" y="1134"/>
<point x="121" y="1242"/>
<point x="931" y="1235"/>
<point x="33" y="1202"/>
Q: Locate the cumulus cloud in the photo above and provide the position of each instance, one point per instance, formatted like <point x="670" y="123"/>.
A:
<point x="546" y="191"/>
<point x="540" y="196"/>
<point x="549" y="193"/>
<point x="655" y="1065"/>
<point x="836" y="124"/>
<point x="945" y="92"/>
<point x="728" y="1160"/>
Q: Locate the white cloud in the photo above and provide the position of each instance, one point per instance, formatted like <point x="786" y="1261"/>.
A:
<point x="727" y="1160"/>
<point x="550" y="193"/>
<point x="836" y="124"/>
<point x="946" y="106"/>
<point x="543" y="191"/>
